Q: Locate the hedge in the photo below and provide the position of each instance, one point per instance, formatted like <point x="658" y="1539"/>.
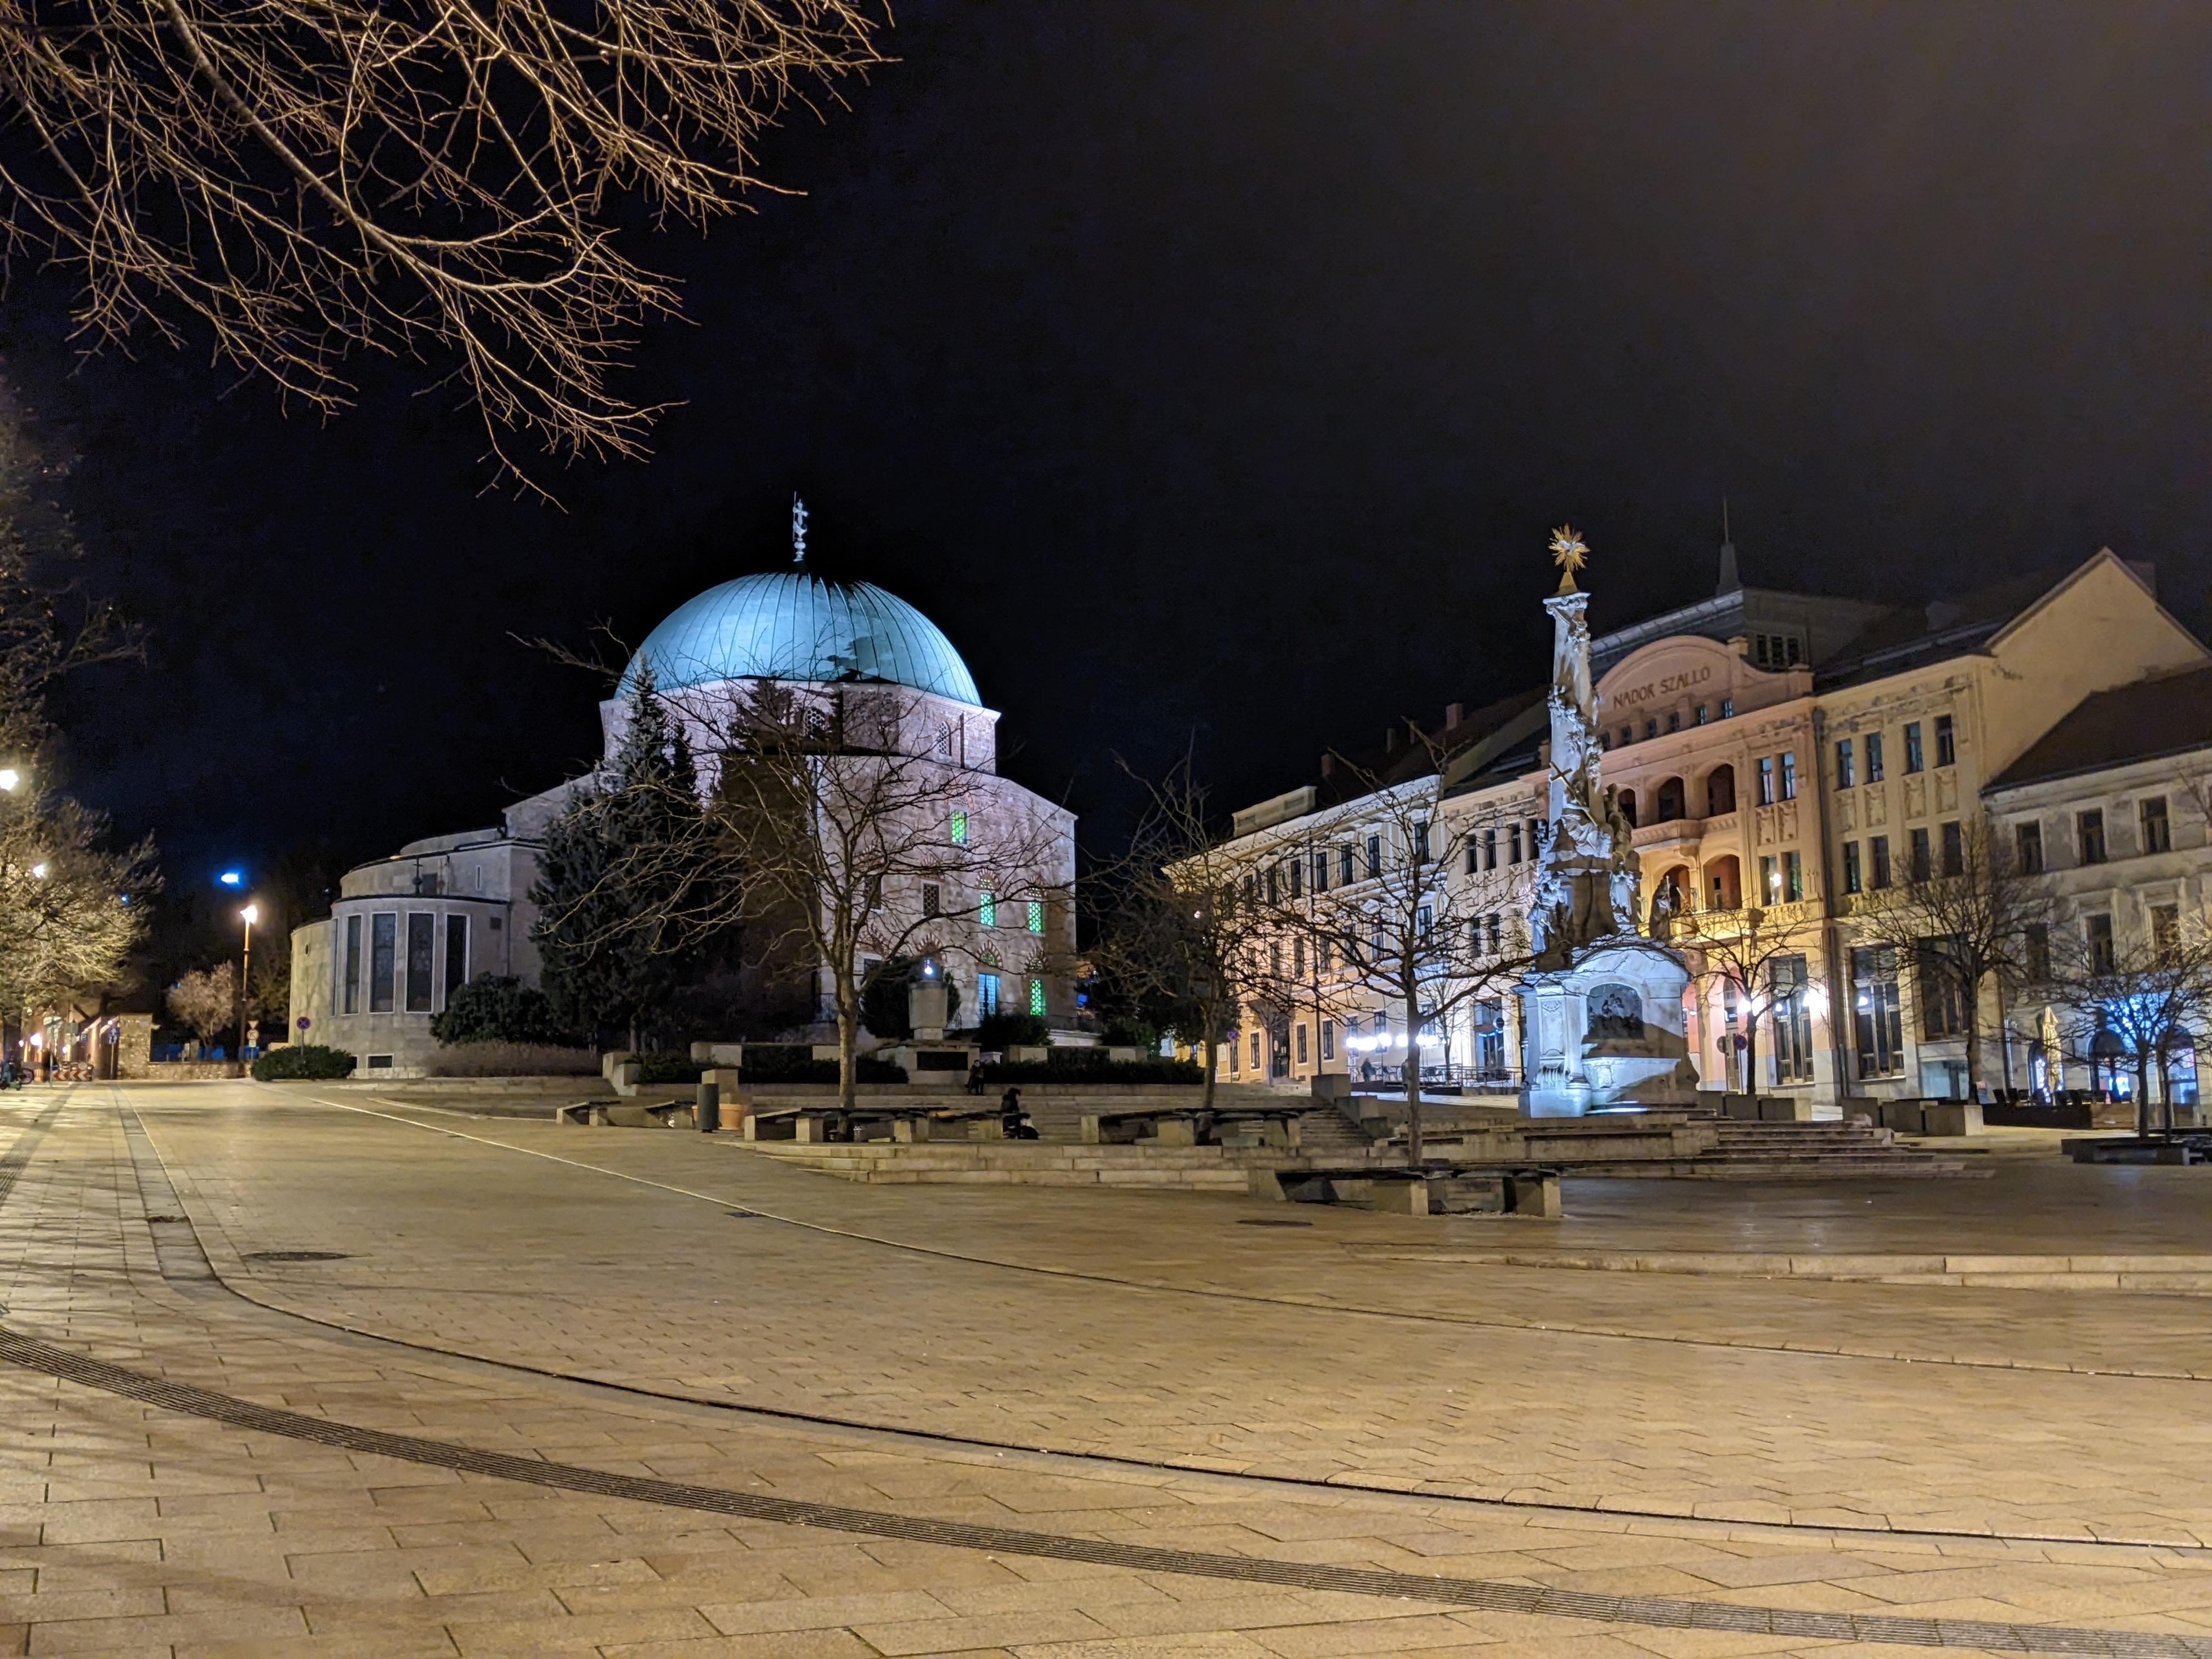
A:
<point x="304" y="1061"/>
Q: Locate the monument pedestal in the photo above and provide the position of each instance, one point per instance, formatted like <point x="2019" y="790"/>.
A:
<point x="1605" y="1031"/>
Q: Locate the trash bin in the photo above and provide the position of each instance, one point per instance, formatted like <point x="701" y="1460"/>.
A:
<point x="709" y="1110"/>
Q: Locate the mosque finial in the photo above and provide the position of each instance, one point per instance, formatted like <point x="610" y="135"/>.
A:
<point x="798" y="530"/>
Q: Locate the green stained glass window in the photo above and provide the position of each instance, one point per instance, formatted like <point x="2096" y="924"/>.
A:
<point x="986" y="907"/>
<point x="960" y="828"/>
<point x="1036" y="998"/>
<point x="1036" y="915"/>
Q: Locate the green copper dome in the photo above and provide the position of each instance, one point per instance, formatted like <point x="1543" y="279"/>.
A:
<point x="788" y="625"/>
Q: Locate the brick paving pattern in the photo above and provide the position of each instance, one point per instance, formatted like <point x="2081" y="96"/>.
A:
<point x="1693" y="1457"/>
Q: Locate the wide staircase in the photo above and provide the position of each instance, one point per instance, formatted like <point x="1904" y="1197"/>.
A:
<point x="1703" y="1146"/>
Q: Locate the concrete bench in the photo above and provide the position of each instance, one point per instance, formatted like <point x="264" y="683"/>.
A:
<point x="1280" y="1126"/>
<point x="1170" y="1126"/>
<point x="1446" y="1189"/>
<point x="628" y="1114"/>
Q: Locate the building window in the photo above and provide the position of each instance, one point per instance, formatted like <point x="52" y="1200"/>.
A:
<point x="1947" y="747"/>
<point x="1298" y="957"/>
<point x="986" y="907"/>
<point x="456" y="954"/>
<point x="1650" y="729"/>
<point x="1954" y="849"/>
<point x="1255" y="1051"/>
<point x="960" y="828"/>
<point x="1852" y="881"/>
<point x="383" y="960"/>
<point x="1298" y="1033"/>
<point x="1705" y="714"/>
<point x="1473" y="856"/>
<point x="1627" y="736"/>
<point x="422" y="958"/>
<point x="1513" y="842"/>
<point x="1374" y="855"/>
<point x="1036" y="998"/>
<point x="2027" y="848"/>
<point x="1793" y="1020"/>
<point x="1320" y="870"/>
<point x="1424" y="924"/>
<point x="2101" y="954"/>
<point x="350" y="1002"/>
<point x="1921" y="865"/>
<point x="1490" y="849"/>
<point x="2157" y="832"/>
<point x="1790" y="775"/>
<point x="1236" y="1046"/>
<point x="1943" y="1004"/>
<point x="1328" y="1040"/>
<point x="1767" y="779"/>
<point x="2165" y="929"/>
<point x="1297" y="877"/>
<point x="1846" y="775"/>
<point x="1674" y="719"/>
<point x="1793" y="877"/>
<point x="1913" y="760"/>
<point x="2035" y="942"/>
<point x="931" y="899"/>
<point x="1347" y="865"/>
<point x="1878" y="862"/>
<point x="2089" y="828"/>
<point x="1036" y="908"/>
<point x="1496" y="944"/>
<point x="1769" y="878"/>
<point x="987" y="995"/>
<point x="1727" y="708"/>
<point x="1875" y="1012"/>
<point x="945" y="740"/>
<point x="1275" y="883"/>
<point x="1874" y="756"/>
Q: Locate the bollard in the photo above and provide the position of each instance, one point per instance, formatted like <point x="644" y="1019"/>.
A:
<point x="709" y="1112"/>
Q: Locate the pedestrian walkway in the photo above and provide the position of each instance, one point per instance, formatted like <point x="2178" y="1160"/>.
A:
<point x="355" y="1496"/>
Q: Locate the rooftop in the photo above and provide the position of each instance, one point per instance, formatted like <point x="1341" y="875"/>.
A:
<point x="2148" y="719"/>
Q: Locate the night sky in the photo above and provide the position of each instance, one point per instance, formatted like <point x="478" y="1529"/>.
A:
<point x="1221" y="367"/>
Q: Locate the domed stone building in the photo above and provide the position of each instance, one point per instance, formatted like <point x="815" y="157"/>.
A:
<point x="408" y="930"/>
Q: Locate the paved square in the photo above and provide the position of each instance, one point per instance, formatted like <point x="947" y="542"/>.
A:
<point x="298" y="1373"/>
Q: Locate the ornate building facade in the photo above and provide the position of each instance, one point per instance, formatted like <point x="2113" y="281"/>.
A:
<point x="1781" y="757"/>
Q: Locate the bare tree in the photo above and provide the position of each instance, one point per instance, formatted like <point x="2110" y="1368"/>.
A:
<point x="70" y="912"/>
<point x="206" y="1000"/>
<point x="2147" y="995"/>
<point x="837" y="836"/>
<point x="1963" y="921"/>
<point x="1403" y="930"/>
<point x="304" y="181"/>
<point x="1175" y="928"/>
<point x="1738" y="950"/>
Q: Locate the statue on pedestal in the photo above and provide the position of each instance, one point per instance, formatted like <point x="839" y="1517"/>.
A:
<point x="1601" y="1008"/>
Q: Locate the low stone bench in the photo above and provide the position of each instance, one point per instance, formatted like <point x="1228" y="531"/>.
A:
<point x="628" y="1114"/>
<point x="1280" y="1126"/>
<point x="1448" y="1189"/>
<point x="1170" y="1126"/>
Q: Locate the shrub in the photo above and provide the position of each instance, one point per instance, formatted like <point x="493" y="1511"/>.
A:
<point x="499" y="1008"/>
<point x="1091" y="1065"/>
<point x="1005" y="1031"/>
<point x="513" y="1059"/>
<point x="669" y="1067"/>
<point x="302" y="1060"/>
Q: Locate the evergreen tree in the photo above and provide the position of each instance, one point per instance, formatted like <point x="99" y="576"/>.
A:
<point x="616" y="897"/>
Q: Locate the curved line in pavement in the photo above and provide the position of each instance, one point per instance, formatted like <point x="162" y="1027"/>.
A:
<point x="1488" y="1595"/>
<point x="1151" y="1465"/>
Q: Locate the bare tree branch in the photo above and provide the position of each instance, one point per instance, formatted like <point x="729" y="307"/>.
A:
<point x="304" y="180"/>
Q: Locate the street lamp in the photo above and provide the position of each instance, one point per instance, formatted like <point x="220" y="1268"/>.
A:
<point x="10" y="780"/>
<point x="249" y="915"/>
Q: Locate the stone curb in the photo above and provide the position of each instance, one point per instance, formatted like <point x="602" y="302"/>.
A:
<point x="2171" y="1275"/>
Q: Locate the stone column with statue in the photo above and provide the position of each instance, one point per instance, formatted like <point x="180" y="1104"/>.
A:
<point x="1601" y="1007"/>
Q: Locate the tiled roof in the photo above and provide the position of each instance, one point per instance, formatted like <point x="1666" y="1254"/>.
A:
<point x="2169" y="715"/>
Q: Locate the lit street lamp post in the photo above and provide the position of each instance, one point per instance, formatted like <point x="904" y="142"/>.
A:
<point x="249" y="915"/>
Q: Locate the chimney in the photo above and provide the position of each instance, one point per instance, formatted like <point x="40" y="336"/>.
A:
<point x="1454" y="714"/>
<point x="1329" y="765"/>
<point x="1390" y="740"/>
